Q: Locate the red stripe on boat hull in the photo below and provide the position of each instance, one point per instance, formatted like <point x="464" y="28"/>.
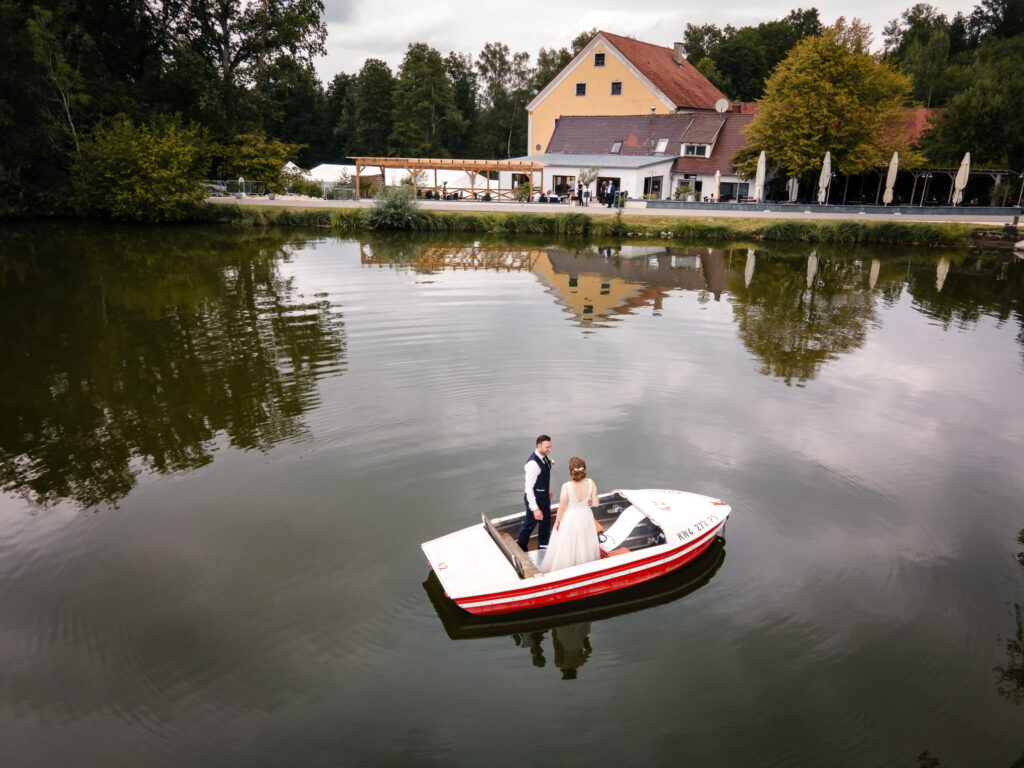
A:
<point x="527" y="602"/>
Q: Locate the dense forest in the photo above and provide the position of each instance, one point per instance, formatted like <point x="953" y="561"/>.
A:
<point x="91" y="89"/>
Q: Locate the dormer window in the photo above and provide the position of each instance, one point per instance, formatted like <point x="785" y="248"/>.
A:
<point x="616" y="147"/>
<point x="696" y="150"/>
<point x="598" y="59"/>
<point x="581" y="89"/>
<point x="662" y="146"/>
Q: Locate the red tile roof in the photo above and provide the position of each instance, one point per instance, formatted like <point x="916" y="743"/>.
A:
<point x="683" y="84"/>
<point x="921" y="120"/>
<point x="730" y="141"/>
<point x="639" y="134"/>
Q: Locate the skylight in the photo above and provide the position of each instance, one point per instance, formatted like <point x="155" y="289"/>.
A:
<point x="662" y="146"/>
<point x="616" y="147"/>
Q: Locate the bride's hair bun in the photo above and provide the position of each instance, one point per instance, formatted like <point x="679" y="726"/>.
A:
<point x="577" y="468"/>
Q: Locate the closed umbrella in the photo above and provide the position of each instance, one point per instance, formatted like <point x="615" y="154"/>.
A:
<point x="718" y="186"/>
<point x="812" y="268"/>
<point x="759" y="179"/>
<point x="961" y="179"/>
<point x="876" y="265"/>
<point x="748" y="272"/>
<point x="793" y="188"/>
<point x="825" y="179"/>
<point x="890" y="179"/>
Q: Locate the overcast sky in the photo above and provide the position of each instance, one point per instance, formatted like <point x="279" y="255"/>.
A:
<point x="361" y="29"/>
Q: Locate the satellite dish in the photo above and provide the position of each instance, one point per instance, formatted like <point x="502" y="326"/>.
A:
<point x="722" y="106"/>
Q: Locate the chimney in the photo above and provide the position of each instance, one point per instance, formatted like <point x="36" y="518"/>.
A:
<point x="677" y="53"/>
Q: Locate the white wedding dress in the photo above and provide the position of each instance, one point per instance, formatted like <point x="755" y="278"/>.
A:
<point x="575" y="539"/>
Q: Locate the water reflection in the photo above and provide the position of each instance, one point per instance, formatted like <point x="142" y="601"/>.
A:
<point x="796" y="309"/>
<point x="1010" y="675"/>
<point x="136" y="349"/>
<point x="793" y="323"/>
<point x="570" y="625"/>
<point x="598" y="285"/>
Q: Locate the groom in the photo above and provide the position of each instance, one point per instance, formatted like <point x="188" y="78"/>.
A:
<point x="538" y="495"/>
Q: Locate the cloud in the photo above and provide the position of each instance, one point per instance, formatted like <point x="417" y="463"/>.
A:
<point x="383" y="29"/>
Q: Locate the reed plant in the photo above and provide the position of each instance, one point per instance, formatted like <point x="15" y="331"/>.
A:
<point x="398" y="212"/>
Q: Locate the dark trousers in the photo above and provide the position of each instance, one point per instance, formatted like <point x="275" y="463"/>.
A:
<point x="544" y="532"/>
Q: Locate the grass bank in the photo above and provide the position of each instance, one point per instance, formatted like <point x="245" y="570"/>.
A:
<point x="623" y="226"/>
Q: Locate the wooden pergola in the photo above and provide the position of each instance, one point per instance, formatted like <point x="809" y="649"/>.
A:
<point x="415" y="165"/>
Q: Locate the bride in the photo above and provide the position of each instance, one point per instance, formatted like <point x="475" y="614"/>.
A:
<point x="574" y="539"/>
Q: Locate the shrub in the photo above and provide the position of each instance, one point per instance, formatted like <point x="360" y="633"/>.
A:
<point x="394" y="208"/>
<point x="254" y="158"/>
<point x="148" y="172"/>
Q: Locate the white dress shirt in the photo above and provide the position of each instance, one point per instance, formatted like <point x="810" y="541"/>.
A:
<point x="532" y="473"/>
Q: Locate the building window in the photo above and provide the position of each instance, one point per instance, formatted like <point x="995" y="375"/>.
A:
<point x="652" y="186"/>
<point x="581" y="89"/>
<point x="598" y="59"/>
<point x="616" y="146"/>
<point x="662" y="146"/>
<point x="695" y="150"/>
<point x="563" y="184"/>
<point x="616" y="87"/>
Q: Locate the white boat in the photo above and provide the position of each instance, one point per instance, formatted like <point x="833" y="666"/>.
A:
<point x="643" y="534"/>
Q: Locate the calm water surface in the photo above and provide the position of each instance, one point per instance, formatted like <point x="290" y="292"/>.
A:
<point x="220" y="450"/>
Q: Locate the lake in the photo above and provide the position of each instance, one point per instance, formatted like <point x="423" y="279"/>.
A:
<point x="221" y="449"/>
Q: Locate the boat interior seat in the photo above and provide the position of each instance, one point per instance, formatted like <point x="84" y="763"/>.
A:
<point x="529" y="567"/>
<point x="614" y="537"/>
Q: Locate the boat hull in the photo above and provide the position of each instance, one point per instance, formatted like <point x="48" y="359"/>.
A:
<point x="613" y="577"/>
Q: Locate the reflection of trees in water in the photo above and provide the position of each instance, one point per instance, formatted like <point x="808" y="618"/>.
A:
<point x="1011" y="674"/>
<point x="795" y="319"/>
<point x="135" y="349"/>
<point x="974" y="287"/>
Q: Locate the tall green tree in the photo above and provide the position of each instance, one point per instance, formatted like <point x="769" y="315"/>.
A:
<point x="740" y="60"/>
<point x="984" y="119"/>
<point x="460" y="138"/>
<point x="997" y="19"/>
<point x="914" y="25"/>
<point x="505" y="88"/>
<point x="926" y="60"/>
<point x="340" y="122"/>
<point x="374" y="108"/>
<point x="424" y="105"/>
<point x="293" y="108"/>
<point x="831" y="94"/>
<point x="227" y="45"/>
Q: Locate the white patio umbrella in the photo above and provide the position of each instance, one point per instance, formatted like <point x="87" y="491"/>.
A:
<point x="792" y="188"/>
<point x="961" y="179"/>
<point x="825" y="178"/>
<point x="718" y="186"/>
<point x="941" y="270"/>
<point x="812" y="267"/>
<point x="759" y="179"/>
<point x="890" y="179"/>
<point x="748" y="273"/>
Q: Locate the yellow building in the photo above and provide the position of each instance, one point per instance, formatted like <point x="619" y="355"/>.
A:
<point x="615" y="75"/>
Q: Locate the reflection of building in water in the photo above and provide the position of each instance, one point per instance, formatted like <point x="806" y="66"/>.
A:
<point x="468" y="257"/>
<point x="597" y="285"/>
